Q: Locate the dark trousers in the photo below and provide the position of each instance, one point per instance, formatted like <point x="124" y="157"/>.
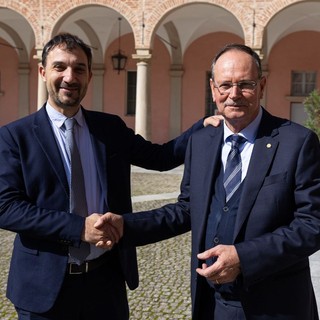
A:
<point x="227" y="309"/>
<point x="97" y="295"/>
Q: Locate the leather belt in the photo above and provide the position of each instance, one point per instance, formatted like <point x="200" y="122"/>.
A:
<point x="90" y="265"/>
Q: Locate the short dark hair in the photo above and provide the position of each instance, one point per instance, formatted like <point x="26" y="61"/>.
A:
<point x="239" y="47"/>
<point x="70" y="42"/>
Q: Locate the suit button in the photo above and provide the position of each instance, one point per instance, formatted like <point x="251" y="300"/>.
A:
<point x="216" y="240"/>
<point x="225" y="208"/>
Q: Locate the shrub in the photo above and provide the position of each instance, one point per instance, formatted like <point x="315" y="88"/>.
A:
<point x="312" y="108"/>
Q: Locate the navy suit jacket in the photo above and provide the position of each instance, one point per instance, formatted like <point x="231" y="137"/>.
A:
<point x="277" y="225"/>
<point x="34" y="197"/>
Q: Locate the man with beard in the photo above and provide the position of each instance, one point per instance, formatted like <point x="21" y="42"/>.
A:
<point x="52" y="193"/>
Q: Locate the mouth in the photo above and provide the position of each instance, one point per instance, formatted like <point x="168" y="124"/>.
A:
<point x="69" y="88"/>
<point x="236" y="106"/>
<point x="69" y="91"/>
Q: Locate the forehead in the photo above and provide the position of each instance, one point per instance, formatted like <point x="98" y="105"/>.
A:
<point x="64" y="55"/>
<point x="235" y="64"/>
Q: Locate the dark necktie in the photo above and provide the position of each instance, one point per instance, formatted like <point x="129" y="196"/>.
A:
<point x="78" y="203"/>
<point x="232" y="174"/>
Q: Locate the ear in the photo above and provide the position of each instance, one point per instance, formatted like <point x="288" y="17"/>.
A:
<point x="42" y="72"/>
<point x="212" y="90"/>
<point x="90" y="76"/>
<point x="263" y="82"/>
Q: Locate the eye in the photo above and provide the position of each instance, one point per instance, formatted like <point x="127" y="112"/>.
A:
<point x="58" y="67"/>
<point x="246" y="85"/>
<point x="80" y="70"/>
<point x="225" y="86"/>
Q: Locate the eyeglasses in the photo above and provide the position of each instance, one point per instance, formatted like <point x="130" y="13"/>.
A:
<point x="245" y="86"/>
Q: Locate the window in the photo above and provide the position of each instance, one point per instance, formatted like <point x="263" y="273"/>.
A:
<point x="131" y="92"/>
<point x="210" y="107"/>
<point x="302" y="83"/>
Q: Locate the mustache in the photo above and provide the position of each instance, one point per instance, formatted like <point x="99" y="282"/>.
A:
<point x="235" y="104"/>
<point x="69" y="86"/>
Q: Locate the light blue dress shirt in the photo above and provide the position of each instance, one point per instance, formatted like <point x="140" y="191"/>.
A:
<point x="249" y="133"/>
<point x="96" y="201"/>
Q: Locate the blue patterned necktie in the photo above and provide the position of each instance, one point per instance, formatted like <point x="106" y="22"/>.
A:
<point x="232" y="174"/>
<point x="78" y="203"/>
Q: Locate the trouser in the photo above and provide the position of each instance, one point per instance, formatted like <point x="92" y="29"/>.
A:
<point x="228" y="309"/>
<point x="97" y="295"/>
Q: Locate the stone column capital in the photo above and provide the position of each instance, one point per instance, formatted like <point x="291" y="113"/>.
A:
<point x="38" y="55"/>
<point x="142" y="55"/>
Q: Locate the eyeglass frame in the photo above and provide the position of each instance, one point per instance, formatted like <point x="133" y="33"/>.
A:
<point x="237" y="84"/>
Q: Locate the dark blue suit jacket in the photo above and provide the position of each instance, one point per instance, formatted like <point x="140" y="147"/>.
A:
<point x="277" y="225"/>
<point x="34" y="197"/>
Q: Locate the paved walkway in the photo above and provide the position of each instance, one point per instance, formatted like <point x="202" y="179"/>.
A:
<point x="164" y="267"/>
<point x="315" y="272"/>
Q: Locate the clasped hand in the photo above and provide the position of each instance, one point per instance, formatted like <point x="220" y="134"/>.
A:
<point x="225" y="269"/>
<point x="103" y="230"/>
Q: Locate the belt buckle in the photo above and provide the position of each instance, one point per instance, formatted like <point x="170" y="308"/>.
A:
<point x="78" y="268"/>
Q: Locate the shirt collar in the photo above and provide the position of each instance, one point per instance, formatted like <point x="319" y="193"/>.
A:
<point x="58" y="118"/>
<point x="248" y="132"/>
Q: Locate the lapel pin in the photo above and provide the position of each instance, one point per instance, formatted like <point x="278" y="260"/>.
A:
<point x="268" y="145"/>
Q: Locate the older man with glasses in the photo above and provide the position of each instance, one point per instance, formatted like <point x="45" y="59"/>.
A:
<point x="251" y="195"/>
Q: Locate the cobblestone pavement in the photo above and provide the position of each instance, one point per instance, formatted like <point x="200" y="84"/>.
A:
<point x="164" y="267"/>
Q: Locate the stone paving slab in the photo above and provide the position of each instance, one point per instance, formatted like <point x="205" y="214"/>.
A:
<point x="7" y="311"/>
<point x="164" y="269"/>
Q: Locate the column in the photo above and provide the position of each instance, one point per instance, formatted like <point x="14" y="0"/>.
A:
<point x="176" y="73"/>
<point x="42" y="90"/>
<point x="97" y="86"/>
<point x="143" y="108"/>
<point x="23" y="102"/>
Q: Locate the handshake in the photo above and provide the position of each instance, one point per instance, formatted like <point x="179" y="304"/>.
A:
<point x="103" y="230"/>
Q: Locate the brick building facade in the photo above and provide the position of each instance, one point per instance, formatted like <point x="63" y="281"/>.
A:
<point x="169" y="45"/>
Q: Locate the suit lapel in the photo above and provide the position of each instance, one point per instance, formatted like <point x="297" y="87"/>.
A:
<point x="207" y="161"/>
<point x="45" y="137"/>
<point x="261" y="159"/>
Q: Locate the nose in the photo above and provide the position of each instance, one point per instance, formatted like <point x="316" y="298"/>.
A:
<point x="68" y="75"/>
<point x="235" y="91"/>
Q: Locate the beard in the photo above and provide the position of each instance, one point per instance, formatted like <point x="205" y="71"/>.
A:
<point x="64" y="99"/>
<point x="67" y="100"/>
